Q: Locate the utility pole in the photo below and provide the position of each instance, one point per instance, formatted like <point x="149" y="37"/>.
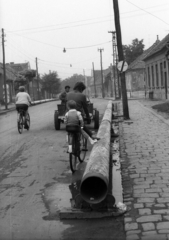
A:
<point x="94" y="81"/>
<point x="114" y="67"/>
<point x="100" y="50"/>
<point x="84" y="77"/>
<point x="113" y="70"/>
<point x="121" y="58"/>
<point x="4" y="69"/>
<point x="85" y="82"/>
<point x="37" y="76"/>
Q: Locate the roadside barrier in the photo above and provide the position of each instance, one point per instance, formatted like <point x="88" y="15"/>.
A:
<point x="95" y="181"/>
<point x="43" y="101"/>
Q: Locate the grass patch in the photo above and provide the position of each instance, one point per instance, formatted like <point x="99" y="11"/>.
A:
<point x="162" y="107"/>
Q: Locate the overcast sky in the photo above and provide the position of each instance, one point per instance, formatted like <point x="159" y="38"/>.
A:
<point x="42" y="28"/>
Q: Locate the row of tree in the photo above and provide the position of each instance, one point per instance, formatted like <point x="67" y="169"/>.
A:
<point x="53" y="84"/>
<point x="70" y="81"/>
<point x="133" y="50"/>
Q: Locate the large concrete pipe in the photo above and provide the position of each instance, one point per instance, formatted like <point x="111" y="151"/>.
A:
<point x="95" y="180"/>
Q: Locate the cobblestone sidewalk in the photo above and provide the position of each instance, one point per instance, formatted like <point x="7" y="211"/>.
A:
<point x="144" y="154"/>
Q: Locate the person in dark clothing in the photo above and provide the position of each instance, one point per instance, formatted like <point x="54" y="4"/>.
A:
<point x="63" y="95"/>
<point x="80" y="99"/>
<point x="81" y="104"/>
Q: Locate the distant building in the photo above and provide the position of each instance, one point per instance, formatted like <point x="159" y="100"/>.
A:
<point x="10" y="77"/>
<point x="33" y="87"/>
<point x="157" y="70"/>
<point x="87" y="84"/>
<point x="108" y="82"/>
<point x="135" y="74"/>
<point x="19" y="67"/>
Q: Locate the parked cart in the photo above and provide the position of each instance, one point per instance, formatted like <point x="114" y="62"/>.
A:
<point x="59" y="115"/>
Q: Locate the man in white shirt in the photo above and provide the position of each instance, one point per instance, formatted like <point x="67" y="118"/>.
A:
<point x="22" y="100"/>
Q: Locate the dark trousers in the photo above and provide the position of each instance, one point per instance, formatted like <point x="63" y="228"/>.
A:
<point x="22" y="106"/>
<point x="87" y="131"/>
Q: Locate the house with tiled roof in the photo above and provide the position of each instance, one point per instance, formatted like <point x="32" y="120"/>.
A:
<point x="32" y="84"/>
<point x="157" y="70"/>
<point x="19" y="67"/>
<point x="10" y="77"/>
<point x="135" y="74"/>
<point x="87" y="81"/>
<point x="108" y="82"/>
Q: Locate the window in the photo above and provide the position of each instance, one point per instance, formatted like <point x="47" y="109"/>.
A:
<point x="161" y="74"/>
<point x="152" y="72"/>
<point x="148" y="76"/>
<point x="157" y="80"/>
<point x="165" y="77"/>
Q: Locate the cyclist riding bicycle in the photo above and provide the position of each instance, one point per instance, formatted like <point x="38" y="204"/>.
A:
<point x="22" y="101"/>
<point x="74" y="122"/>
<point x="81" y="104"/>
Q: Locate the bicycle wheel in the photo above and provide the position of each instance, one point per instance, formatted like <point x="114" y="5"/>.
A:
<point x="73" y="156"/>
<point x="20" y="124"/>
<point x="28" y="121"/>
<point x="83" y="148"/>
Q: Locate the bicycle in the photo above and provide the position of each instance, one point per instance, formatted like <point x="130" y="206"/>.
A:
<point x="77" y="146"/>
<point x="23" y="121"/>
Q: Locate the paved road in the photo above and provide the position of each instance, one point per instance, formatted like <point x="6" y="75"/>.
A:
<point x="34" y="175"/>
<point x="145" y="174"/>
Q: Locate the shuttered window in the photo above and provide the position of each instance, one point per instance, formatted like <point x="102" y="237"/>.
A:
<point x="157" y="80"/>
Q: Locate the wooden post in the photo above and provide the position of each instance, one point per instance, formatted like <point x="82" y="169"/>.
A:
<point x="100" y="50"/>
<point x="121" y="58"/>
<point x="94" y="81"/>
<point x="4" y="70"/>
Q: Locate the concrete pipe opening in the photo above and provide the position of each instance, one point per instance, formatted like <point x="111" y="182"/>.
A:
<point x="93" y="189"/>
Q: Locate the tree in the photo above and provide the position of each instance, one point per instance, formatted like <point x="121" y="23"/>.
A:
<point x="51" y="82"/>
<point x="28" y="73"/>
<point x="72" y="80"/>
<point x="24" y="78"/>
<point x="131" y="52"/>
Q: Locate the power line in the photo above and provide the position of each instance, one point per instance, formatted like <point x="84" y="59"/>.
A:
<point x="84" y="60"/>
<point x="143" y="14"/>
<point x="79" y="25"/>
<point x="144" y="8"/>
<point x="90" y="45"/>
<point x="31" y="57"/>
<point x="20" y="51"/>
<point x="55" y="25"/>
<point x="36" y="28"/>
<point x="62" y="66"/>
<point x="148" y="12"/>
<point x="51" y="63"/>
<point x="62" y="47"/>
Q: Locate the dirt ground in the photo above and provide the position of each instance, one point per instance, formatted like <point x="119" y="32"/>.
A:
<point x="35" y="175"/>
